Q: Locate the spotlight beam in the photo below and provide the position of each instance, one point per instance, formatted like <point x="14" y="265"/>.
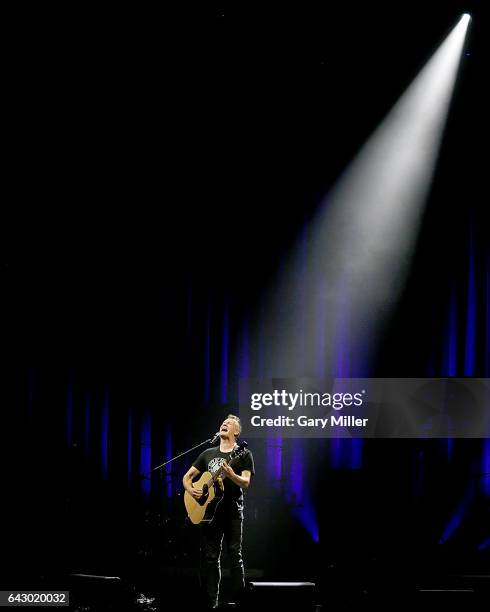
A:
<point x="361" y="240"/>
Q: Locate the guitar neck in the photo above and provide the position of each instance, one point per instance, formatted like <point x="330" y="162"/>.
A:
<point x="217" y="474"/>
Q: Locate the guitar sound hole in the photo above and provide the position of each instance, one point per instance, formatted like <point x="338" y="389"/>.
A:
<point x="204" y="496"/>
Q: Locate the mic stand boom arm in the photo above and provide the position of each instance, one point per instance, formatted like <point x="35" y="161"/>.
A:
<point x="182" y="454"/>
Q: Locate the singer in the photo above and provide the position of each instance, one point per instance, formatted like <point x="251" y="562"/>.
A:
<point x="227" y="523"/>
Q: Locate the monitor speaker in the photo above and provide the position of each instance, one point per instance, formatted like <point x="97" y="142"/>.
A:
<point x="94" y="592"/>
<point x="298" y="596"/>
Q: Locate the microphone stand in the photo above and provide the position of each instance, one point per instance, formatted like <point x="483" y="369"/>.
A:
<point x="184" y="453"/>
<point x="177" y="457"/>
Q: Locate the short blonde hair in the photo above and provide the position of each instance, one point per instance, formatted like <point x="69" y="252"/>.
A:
<point x="238" y="422"/>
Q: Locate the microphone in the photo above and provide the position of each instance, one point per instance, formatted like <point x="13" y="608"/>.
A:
<point x="215" y="438"/>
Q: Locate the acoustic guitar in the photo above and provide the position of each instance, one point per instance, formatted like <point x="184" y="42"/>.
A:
<point x="202" y="510"/>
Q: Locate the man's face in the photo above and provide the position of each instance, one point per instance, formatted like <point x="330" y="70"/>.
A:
<point x="229" y="427"/>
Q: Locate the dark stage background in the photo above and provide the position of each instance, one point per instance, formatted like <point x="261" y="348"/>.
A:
<point x="158" y="175"/>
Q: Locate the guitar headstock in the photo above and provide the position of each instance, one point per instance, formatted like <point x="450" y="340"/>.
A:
<point x="239" y="450"/>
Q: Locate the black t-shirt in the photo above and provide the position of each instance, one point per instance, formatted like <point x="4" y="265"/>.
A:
<point x="211" y="460"/>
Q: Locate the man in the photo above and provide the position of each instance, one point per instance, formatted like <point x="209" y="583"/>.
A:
<point x="228" y="519"/>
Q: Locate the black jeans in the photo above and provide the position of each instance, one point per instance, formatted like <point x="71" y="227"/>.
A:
<point x="230" y="529"/>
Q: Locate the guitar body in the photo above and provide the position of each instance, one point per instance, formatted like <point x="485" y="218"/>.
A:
<point x="202" y="510"/>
